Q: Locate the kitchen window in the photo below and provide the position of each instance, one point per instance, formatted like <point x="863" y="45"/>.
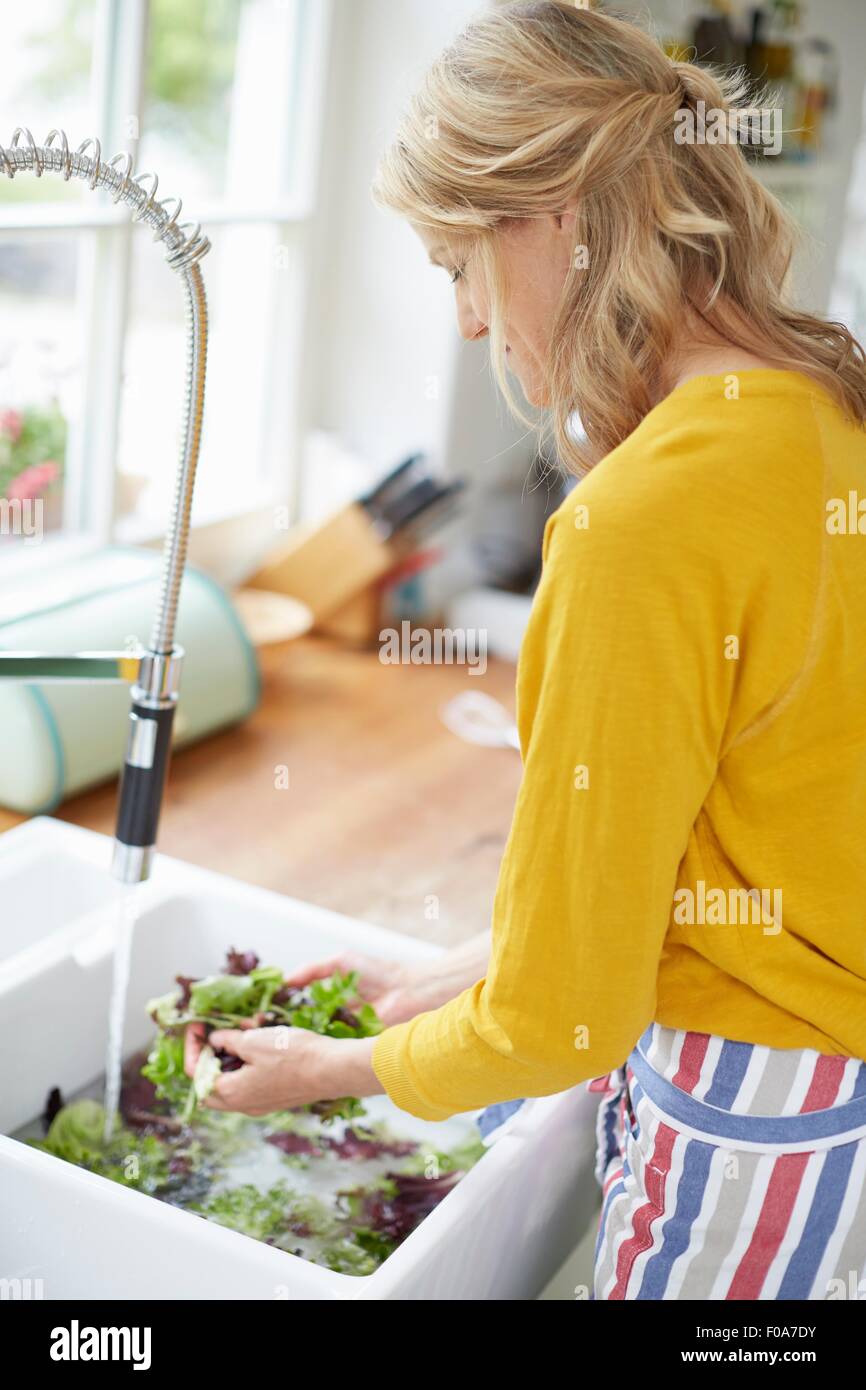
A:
<point x="222" y="99"/>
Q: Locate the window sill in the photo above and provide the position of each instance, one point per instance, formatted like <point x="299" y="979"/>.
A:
<point x="33" y="566"/>
<point x="148" y="530"/>
<point x="21" y="560"/>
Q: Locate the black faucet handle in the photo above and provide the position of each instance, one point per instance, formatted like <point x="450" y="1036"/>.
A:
<point x="142" y="784"/>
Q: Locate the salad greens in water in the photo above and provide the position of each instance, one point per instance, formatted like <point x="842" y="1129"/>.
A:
<point x="321" y="1181"/>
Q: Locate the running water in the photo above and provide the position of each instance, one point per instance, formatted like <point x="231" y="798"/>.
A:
<point x="129" y="909"/>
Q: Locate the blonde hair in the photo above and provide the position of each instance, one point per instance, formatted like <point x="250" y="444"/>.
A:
<point x="536" y="104"/>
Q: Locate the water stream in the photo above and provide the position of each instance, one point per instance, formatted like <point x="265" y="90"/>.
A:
<point x="128" y="910"/>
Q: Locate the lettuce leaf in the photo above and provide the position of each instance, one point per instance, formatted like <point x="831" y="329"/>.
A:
<point x="235" y="995"/>
<point x="207" y="1072"/>
<point x="329" y="1006"/>
<point x="268" y="1215"/>
<point x="77" y="1135"/>
<point x="164" y="1067"/>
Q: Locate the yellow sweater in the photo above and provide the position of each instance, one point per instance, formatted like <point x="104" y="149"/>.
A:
<point x="691" y="700"/>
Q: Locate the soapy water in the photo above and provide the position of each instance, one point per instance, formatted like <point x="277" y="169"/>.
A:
<point x="129" y="908"/>
<point x="237" y="1155"/>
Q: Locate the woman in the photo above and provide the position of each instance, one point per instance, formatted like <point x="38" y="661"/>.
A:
<point x="680" y="912"/>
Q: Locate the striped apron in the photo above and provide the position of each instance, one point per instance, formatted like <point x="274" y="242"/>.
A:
<point x="730" y="1170"/>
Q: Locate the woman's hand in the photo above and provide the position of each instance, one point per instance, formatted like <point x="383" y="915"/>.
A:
<point x="398" y="990"/>
<point x="283" y="1067"/>
<point x="391" y="986"/>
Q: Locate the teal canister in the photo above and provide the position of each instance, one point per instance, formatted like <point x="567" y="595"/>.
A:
<point x="56" y="739"/>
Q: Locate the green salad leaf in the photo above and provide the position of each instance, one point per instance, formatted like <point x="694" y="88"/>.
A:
<point x="206" y="1074"/>
<point x="236" y="996"/>
<point x="77" y="1134"/>
<point x="164" y="1067"/>
<point x="328" y="1006"/>
<point x="164" y="1010"/>
<point x="268" y="1215"/>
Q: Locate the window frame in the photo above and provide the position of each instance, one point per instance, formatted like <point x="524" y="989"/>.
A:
<point x="105" y="264"/>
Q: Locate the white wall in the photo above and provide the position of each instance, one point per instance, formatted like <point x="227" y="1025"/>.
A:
<point x="382" y="336"/>
<point x="387" y="369"/>
<point x="843" y="22"/>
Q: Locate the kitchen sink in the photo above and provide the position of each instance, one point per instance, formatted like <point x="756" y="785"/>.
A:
<point x="501" y="1233"/>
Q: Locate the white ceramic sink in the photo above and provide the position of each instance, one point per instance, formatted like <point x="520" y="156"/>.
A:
<point x="500" y="1234"/>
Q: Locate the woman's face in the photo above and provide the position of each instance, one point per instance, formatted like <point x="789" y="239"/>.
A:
<point x="537" y="254"/>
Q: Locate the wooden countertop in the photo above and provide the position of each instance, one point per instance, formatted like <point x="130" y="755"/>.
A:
<point x="387" y="815"/>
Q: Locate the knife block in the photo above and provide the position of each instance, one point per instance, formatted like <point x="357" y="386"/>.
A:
<point x="333" y="567"/>
<point x="359" y="622"/>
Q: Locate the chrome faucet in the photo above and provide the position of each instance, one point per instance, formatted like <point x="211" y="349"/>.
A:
<point x="153" y="672"/>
